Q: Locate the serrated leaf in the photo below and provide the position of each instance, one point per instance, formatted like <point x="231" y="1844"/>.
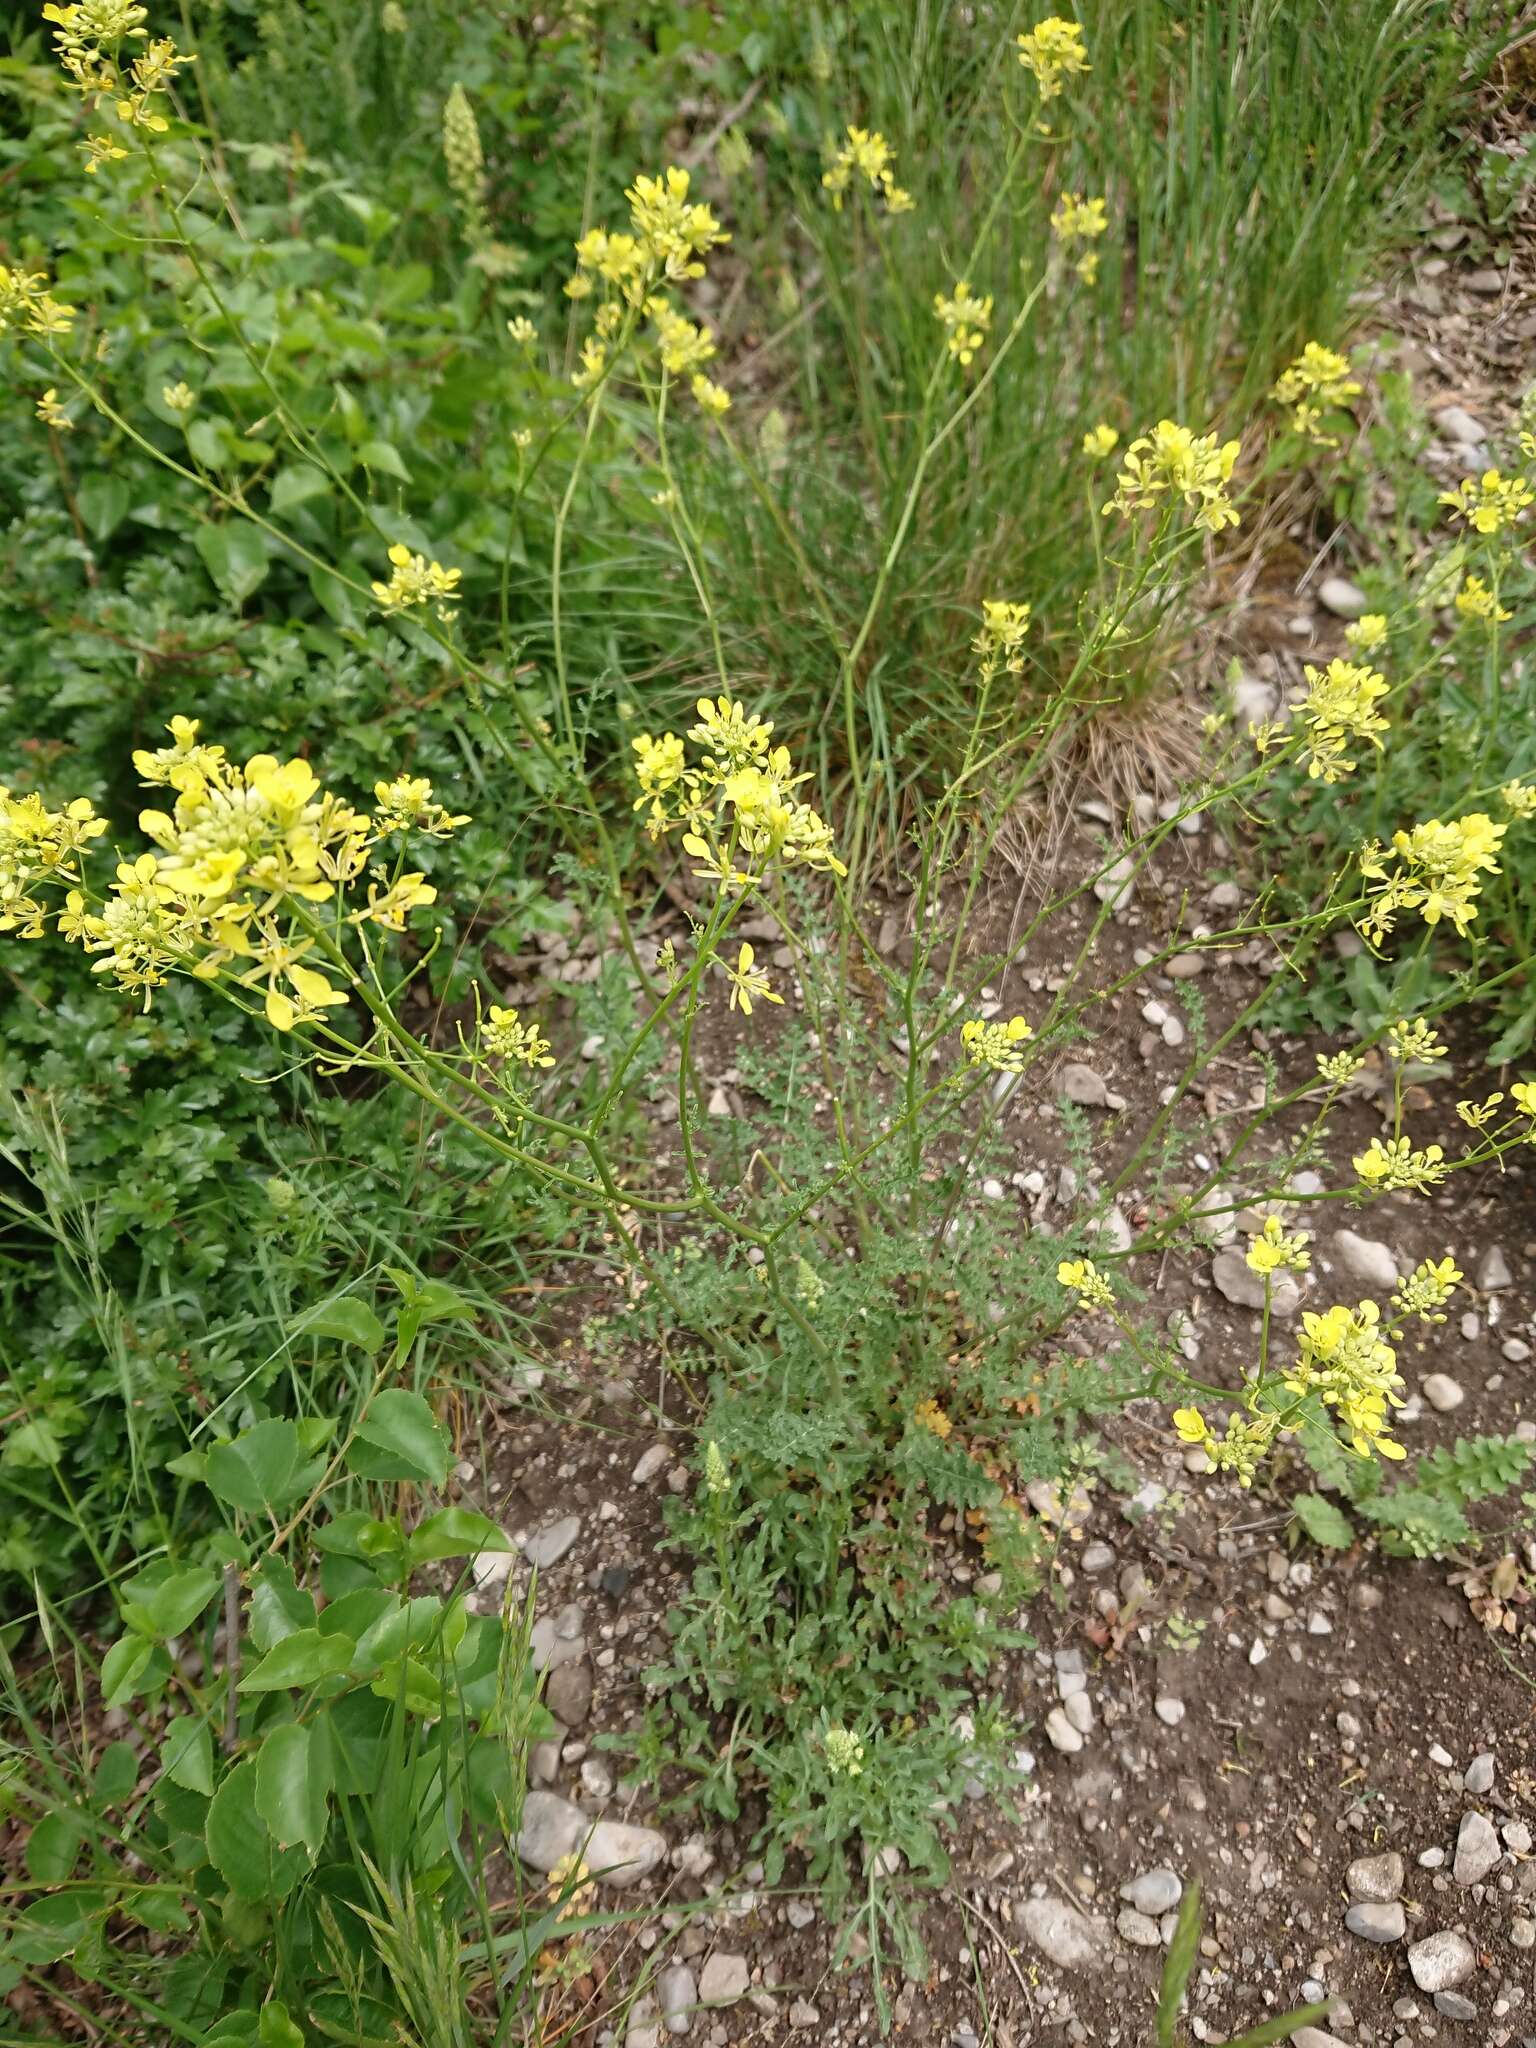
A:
<point x="1323" y="1521"/>
<point x="241" y="1849"/>
<point x="293" y="1784"/>
<point x="346" y="1318"/>
<point x="301" y="1659"/>
<point x="402" y="1424"/>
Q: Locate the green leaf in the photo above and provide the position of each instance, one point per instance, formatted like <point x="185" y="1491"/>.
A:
<point x="455" y="1532"/>
<point x="383" y="455"/>
<point x="209" y="441"/>
<point x="115" y="1775"/>
<point x="279" y="1604"/>
<point x="122" y="1668"/>
<point x="1179" y="1964"/>
<point x="1281" y="2028"/>
<point x="169" y="1607"/>
<point x="297" y="484"/>
<point x="103" y="503"/>
<point x="186" y="1754"/>
<point x="1323" y="1521"/>
<point x="241" y="1850"/>
<point x="402" y="1424"/>
<point x="50" y="1928"/>
<point x="263" y="1468"/>
<point x="433" y="1300"/>
<point x="293" y="1785"/>
<point x="235" y="556"/>
<point x="347" y="1318"/>
<point x="302" y="1659"/>
<point x="275" y="2029"/>
<point x="53" y="1847"/>
<point x="1510" y="1044"/>
<point x="414" y="1686"/>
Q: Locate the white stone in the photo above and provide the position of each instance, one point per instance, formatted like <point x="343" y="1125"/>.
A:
<point x="1154" y="1892"/>
<point x="1069" y="1938"/>
<point x="1477" y="1849"/>
<point x="1441" y="1961"/>
<point x="1344" y="599"/>
<point x="613" y="1851"/>
<point x="724" y="1979"/>
<point x="1061" y="1734"/>
<point x="1367" y="1260"/>
<point x="1442" y="1392"/>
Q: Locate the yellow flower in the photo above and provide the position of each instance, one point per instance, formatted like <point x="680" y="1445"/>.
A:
<point x="966" y="319"/>
<point x="1344" y="1360"/>
<point x="1339" y="1067"/>
<point x="1366" y="633"/>
<point x="1173" y="461"/>
<point x="416" y="581"/>
<point x="1100" y="441"/>
<point x="1523" y="1095"/>
<point x="996" y="1045"/>
<point x="1191" y="1425"/>
<point x="1519" y="799"/>
<point x="523" y="331"/>
<point x="930" y="1416"/>
<point x="1083" y="1278"/>
<point x="712" y="398"/>
<point x="1478" y="1115"/>
<point x="1053" y="52"/>
<point x="1339" y="707"/>
<point x="1386" y="1165"/>
<point x="505" y="1038"/>
<point x="1436" y="872"/>
<point x="1001" y="636"/>
<point x="51" y="413"/>
<point x="1427" y="1289"/>
<point x="674" y="232"/>
<point x="1475" y="600"/>
<point x="615" y="258"/>
<point x="408" y="805"/>
<point x="1078" y="219"/>
<point x="571" y="1888"/>
<point x="748" y="982"/>
<point x="178" y="397"/>
<point x="1490" y="502"/>
<point x="594" y="361"/>
<point x="1415" y="1041"/>
<point x="866" y="155"/>
<point x="1318" y="378"/>
<point x="682" y="345"/>
<point x="1271" y="1250"/>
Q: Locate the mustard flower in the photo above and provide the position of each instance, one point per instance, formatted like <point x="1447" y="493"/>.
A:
<point x="99" y="150"/>
<point x="674" y="232"/>
<point x="712" y="399"/>
<point x="1083" y="1278"/>
<point x="1171" y="460"/>
<point x="1077" y="219"/>
<point x="570" y="1887"/>
<point x="26" y="301"/>
<point x="1523" y="1094"/>
<point x="1317" y="380"/>
<point x="408" y="805"/>
<point x="1000" y="640"/>
<point x="1367" y="633"/>
<point x="51" y="413"/>
<point x="866" y="155"/>
<point x="416" y="581"/>
<point x="393" y="19"/>
<point x="1475" y="600"/>
<point x="179" y="397"/>
<point x="748" y="982"/>
<point x="1427" y="1289"/>
<point x="1491" y="502"/>
<point x="966" y="319"/>
<point x="523" y="331"/>
<point x="1339" y="1067"/>
<point x="1387" y="1165"/>
<point x="1340" y="707"/>
<point x="1344" y="1359"/>
<point x="1415" y="1040"/>
<point x="1100" y="441"/>
<point x="1052" y="51"/>
<point x="844" y="1752"/>
<point x="39" y="848"/>
<point x="1519" y="799"/>
<point x="1238" y="1451"/>
<point x="1436" y="872"/>
<point x="930" y="1416"/>
<point x="1270" y="1250"/>
<point x="996" y="1045"/>
<point x="1477" y="1116"/>
<point x="682" y="345"/>
<point x="594" y="362"/>
<point x="505" y="1038"/>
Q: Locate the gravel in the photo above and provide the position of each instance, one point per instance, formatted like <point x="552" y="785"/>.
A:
<point x="1442" y="1392"/>
<point x="1344" y="599"/>
<point x="1061" y="1734"/>
<point x="1155" y="1892"/>
<point x="1068" y="1938"/>
<point x="724" y="1979"/>
<point x="1375" y="1879"/>
<point x="1442" y="1961"/>
<point x="1479" y="1777"/>
<point x="1374" y="1922"/>
<point x="677" y="1992"/>
<point x="1477" y="1849"/>
<point x="548" y="1545"/>
<point x="1137" y="1929"/>
<point x="1367" y="1260"/>
<point x="613" y="1851"/>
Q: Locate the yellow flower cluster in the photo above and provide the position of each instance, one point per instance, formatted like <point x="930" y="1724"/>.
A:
<point x="26" y="301"/>
<point x="408" y="805"/>
<point x="930" y="1416"/>
<point x="1100" y="441"/>
<point x="748" y="982"/>
<point x="1519" y="799"/>
<point x="1366" y="633"/>
<point x="1080" y="220"/>
<point x="1389" y="1165"/>
<point x="1000" y="640"/>
<point x="1053" y="52"/>
<point x="51" y="413"/>
<point x="1475" y="600"/>
<point x="1434" y="869"/>
<point x="1339" y="1067"/>
<point x="415" y="581"/>
<point x="1270" y="1250"/>
<point x="966" y="319"/>
<point x="736" y="802"/>
<point x="1491" y="502"/>
<point x="996" y="1045"/>
<point x="242" y="854"/>
<point x="89" y="38"/>
<point x="1413" y="1039"/>
<point x="844" y="1752"/>
<point x="504" y="1037"/>
<point x="1427" y="1289"/>
<point x="1317" y="381"/>
<point x="1344" y="1358"/>
<point x="1239" y="1450"/>
<point x="1339" y="709"/>
<point x="671" y="235"/>
<point x="866" y="155"/>
<point x="1173" y="461"/>
<point x="1083" y="1278"/>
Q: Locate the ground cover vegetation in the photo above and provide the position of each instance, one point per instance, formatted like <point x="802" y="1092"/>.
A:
<point x="429" y="546"/>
